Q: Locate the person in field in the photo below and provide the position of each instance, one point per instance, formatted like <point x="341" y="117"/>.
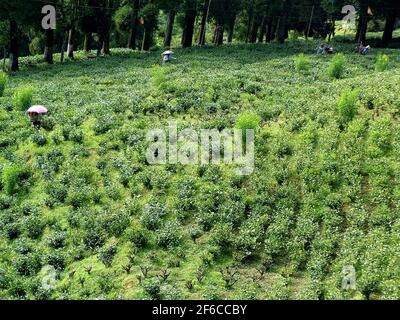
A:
<point x="323" y="49"/>
<point x="35" y="119"/>
<point x="167" y="56"/>
<point x="363" y="50"/>
<point x="35" y="114"/>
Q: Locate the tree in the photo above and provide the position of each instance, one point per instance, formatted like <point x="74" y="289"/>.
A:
<point x="132" y="41"/>
<point x="204" y="18"/>
<point x="149" y="13"/>
<point x="18" y="12"/>
<point x="49" y="41"/>
<point x="361" y="35"/>
<point x="71" y="15"/>
<point x="190" y="7"/>
<point x="170" y="7"/>
<point x="391" y="10"/>
<point x="281" y="31"/>
<point x="224" y="13"/>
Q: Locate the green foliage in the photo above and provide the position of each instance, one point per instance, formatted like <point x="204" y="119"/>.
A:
<point x="39" y="138"/>
<point x="347" y="104"/>
<point x="302" y="63"/>
<point x="12" y="178"/>
<point x="324" y="193"/>
<point x="248" y="120"/>
<point x="382" y="62"/>
<point x="23" y="98"/>
<point x="106" y="254"/>
<point x="337" y="66"/>
<point x="3" y="82"/>
<point x="152" y="215"/>
<point x="37" y="45"/>
<point x="152" y="287"/>
<point x="169" y="235"/>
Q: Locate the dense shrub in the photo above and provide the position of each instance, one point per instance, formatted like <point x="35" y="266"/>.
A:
<point x="34" y="226"/>
<point x="152" y="287"/>
<point x="39" y="138"/>
<point x="302" y="63"/>
<point x="56" y="258"/>
<point x="76" y="135"/>
<point x="169" y="235"/>
<point x="78" y="195"/>
<point x="3" y="81"/>
<point x="382" y="62"/>
<point x="23" y="98"/>
<point x="347" y="104"/>
<point x="152" y="215"/>
<point x="115" y="223"/>
<point x="28" y="264"/>
<point x="336" y="68"/>
<point x="248" y="120"/>
<point x="94" y="237"/>
<point x="170" y="292"/>
<point x="137" y="236"/>
<point x="106" y="254"/>
<point x="13" y="177"/>
<point x="57" y="239"/>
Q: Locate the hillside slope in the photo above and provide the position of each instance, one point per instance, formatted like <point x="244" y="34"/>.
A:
<point x="79" y="195"/>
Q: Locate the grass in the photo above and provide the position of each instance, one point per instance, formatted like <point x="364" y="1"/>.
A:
<point x="322" y="195"/>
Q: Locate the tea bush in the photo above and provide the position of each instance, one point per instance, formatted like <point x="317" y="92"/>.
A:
<point x="23" y="98"/>
<point x="347" y="104"/>
<point x="302" y="63"/>
<point x="13" y="177"/>
<point x="79" y="194"/>
<point x="337" y="66"/>
<point x="169" y="235"/>
<point x="106" y="254"/>
<point x="153" y="214"/>
<point x="3" y="82"/>
<point x="382" y="62"/>
<point x="248" y="120"/>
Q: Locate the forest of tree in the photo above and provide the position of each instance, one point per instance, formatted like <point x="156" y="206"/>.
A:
<point x="101" y="24"/>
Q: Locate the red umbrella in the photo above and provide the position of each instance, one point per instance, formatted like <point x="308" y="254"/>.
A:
<point x="37" y="109"/>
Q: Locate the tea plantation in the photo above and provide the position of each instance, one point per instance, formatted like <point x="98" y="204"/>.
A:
<point x="79" y="196"/>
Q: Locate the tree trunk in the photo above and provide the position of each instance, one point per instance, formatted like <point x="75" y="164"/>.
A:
<point x="254" y="30"/>
<point x="48" y="49"/>
<point x="361" y="35"/>
<point x="250" y="21"/>
<point x="13" y="60"/>
<point x="100" y="44"/>
<point x="65" y="37"/>
<point x="219" y="35"/>
<point x="203" y="26"/>
<point x="71" y="47"/>
<point x="169" y="28"/>
<point x="263" y="30"/>
<point x="281" y="29"/>
<point x="133" y="25"/>
<point x="187" y="37"/>
<point x="231" y="29"/>
<point x="389" y="28"/>
<point x="87" y="42"/>
<point x="269" y="30"/>
<point x="106" y="43"/>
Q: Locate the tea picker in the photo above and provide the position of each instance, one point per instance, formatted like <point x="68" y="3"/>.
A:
<point x="35" y="114"/>
<point x="363" y="50"/>
<point x="167" y="56"/>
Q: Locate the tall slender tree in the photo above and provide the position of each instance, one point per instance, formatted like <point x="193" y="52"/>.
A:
<point x="18" y="12"/>
<point x="190" y="8"/>
<point x="132" y="39"/>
